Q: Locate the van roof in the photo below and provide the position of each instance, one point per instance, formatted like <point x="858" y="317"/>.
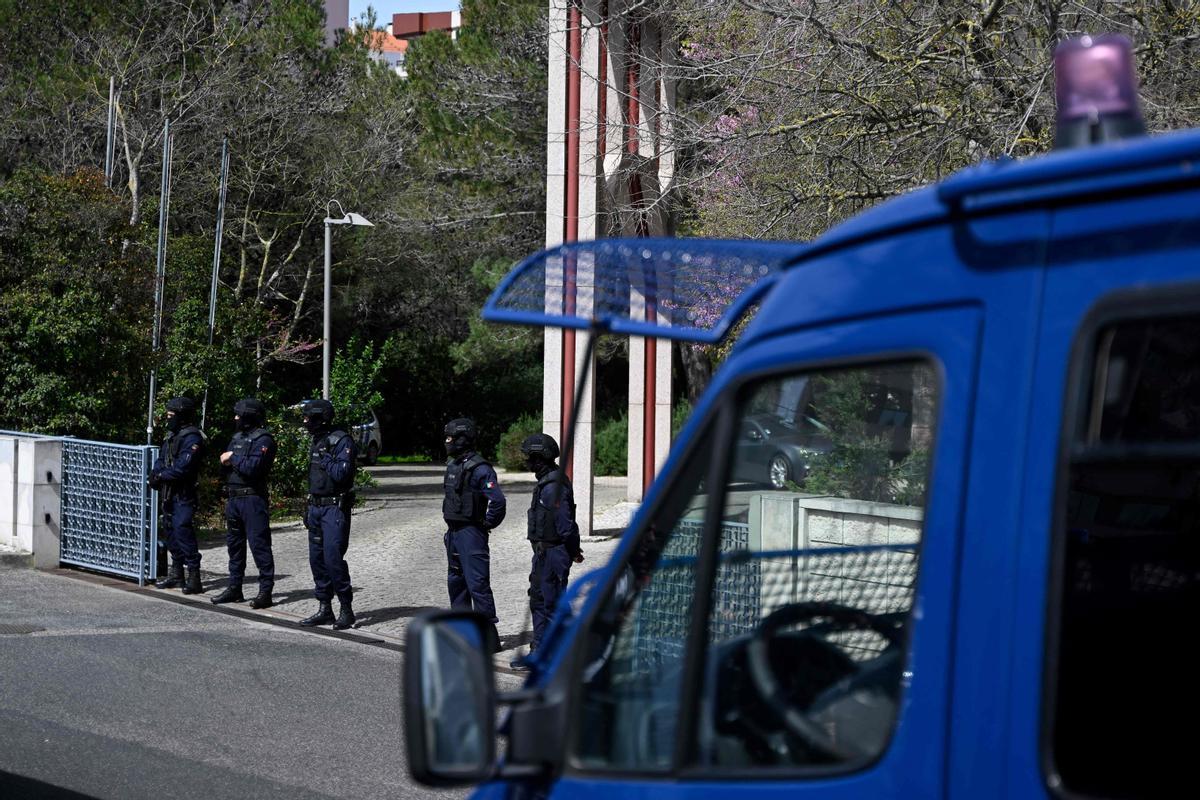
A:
<point x="1054" y="178"/>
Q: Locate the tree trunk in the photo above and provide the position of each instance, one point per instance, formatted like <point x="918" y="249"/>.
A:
<point x="924" y="389"/>
<point x="697" y="371"/>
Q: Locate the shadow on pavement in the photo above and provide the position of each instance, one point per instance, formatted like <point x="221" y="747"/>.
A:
<point x="392" y="489"/>
<point x="514" y="640"/>
<point x="30" y="789"/>
<point x="400" y="471"/>
<point x="374" y="616"/>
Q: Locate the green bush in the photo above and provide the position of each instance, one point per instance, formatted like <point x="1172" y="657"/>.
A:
<point x="679" y="417"/>
<point x="508" y="452"/>
<point x="612" y="446"/>
<point x="289" y="473"/>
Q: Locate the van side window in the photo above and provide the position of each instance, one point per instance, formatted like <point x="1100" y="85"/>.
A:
<point x="814" y="585"/>
<point x="1127" y="569"/>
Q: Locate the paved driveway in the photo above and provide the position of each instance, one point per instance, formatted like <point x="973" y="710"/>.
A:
<point x="397" y="560"/>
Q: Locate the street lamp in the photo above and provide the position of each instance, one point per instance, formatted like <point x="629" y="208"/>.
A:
<point x="347" y="219"/>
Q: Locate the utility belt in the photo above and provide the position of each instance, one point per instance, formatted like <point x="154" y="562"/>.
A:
<point x="240" y="491"/>
<point x="540" y="547"/>
<point x="330" y="500"/>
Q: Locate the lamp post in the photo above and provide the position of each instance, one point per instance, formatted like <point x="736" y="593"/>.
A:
<point x="347" y="219"/>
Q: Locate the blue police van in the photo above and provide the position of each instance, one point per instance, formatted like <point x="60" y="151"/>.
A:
<point x="983" y="582"/>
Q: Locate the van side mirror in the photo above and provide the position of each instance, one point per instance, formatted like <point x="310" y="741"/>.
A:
<point x="450" y="698"/>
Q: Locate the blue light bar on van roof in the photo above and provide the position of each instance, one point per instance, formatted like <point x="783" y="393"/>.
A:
<point x="686" y="289"/>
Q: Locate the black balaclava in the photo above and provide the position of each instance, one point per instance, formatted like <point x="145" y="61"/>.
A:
<point x="180" y="412"/>
<point x="460" y="437"/>
<point x="318" y="416"/>
<point x="249" y="414"/>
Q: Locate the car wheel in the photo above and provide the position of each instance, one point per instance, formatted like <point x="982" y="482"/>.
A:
<point x="372" y="453"/>
<point x="779" y="471"/>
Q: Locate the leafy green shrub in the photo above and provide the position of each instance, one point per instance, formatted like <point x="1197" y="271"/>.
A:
<point x="508" y="452"/>
<point x="679" y="417"/>
<point x="610" y="456"/>
<point x="861" y="465"/>
<point x="289" y="473"/>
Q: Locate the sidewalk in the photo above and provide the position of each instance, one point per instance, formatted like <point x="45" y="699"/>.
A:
<point x="397" y="560"/>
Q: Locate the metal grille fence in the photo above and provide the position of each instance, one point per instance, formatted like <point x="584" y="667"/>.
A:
<point x="109" y="515"/>
<point x="749" y="585"/>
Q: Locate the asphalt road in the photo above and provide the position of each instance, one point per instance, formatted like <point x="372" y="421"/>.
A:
<point x="125" y="695"/>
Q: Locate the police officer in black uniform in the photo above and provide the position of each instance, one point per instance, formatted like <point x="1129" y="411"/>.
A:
<point x="246" y="463"/>
<point x="331" y="468"/>
<point x="473" y="505"/>
<point x="174" y="475"/>
<point x="553" y="533"/>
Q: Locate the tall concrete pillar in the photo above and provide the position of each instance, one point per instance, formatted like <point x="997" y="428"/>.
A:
<point x="8" y="492"/>
<point x="608" y="172"/>
<point x="39" y="499"/>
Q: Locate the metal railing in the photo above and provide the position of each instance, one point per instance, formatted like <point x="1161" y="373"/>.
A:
<point x="109" y="514"/>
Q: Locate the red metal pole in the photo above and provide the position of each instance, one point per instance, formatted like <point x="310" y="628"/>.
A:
<point x="571" y="233"/>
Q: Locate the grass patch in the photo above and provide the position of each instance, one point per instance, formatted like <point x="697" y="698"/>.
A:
<point x="409" y="459"/>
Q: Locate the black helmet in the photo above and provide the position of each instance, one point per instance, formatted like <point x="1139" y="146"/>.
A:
<point x="540" y="445"/>
<point x="460" y="436"/>
<point x="251" y="413"/>
<point x="182" y="406"/>
<point x="180" y="410"/>
<point x="318" y="414"/>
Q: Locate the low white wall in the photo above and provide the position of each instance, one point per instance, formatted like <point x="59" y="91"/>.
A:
<point x="791" y="521"/>
<point x="877" y="582"/>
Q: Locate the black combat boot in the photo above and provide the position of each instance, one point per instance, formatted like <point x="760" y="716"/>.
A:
<point x="345" y="616"/>
<point x="193" y="585"/>
<point x="171" y="579"/>
<point x="262" y="599"/>
<point x="324" y="615"/>
<point x="232" y="594"/>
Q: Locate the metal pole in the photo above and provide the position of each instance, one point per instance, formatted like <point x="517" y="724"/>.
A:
<point x="328" y="292"/>
<point x="160" y="272"/>
<point x="216" y="268"/>
<point x="110" y="144"/>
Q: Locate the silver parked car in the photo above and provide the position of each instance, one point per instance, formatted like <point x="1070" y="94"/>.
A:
<point x="364" y="427"/>
<point x="774" y="452"/>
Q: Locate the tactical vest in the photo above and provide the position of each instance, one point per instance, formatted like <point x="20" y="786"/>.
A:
<point x="462" y="503"/>
<point x="320" y="482"/>
<point x="240" y="447"/>
<point x="175" y="442"/>
<point x="542" y="520"/>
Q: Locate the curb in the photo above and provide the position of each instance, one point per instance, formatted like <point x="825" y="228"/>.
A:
<point x="12" y="559"/>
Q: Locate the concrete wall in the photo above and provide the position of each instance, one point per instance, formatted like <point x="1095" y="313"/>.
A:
<point x="30" y="497"/>
<point x="791" y="521"/>
<point x="876" y="582"/>
<point x="8" y="492"/>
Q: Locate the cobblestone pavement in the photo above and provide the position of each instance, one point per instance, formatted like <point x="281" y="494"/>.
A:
<point x="396" y="557"/>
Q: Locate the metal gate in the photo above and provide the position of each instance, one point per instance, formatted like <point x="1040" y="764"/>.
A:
<point x="109" y="514"/>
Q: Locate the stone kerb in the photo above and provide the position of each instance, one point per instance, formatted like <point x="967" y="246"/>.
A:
<point x="38" y="499"/>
